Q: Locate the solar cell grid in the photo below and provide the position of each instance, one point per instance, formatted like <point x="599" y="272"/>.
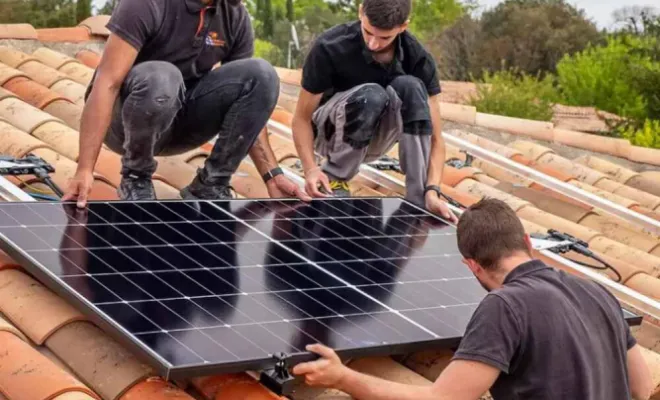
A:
<point x="202" y="287"/>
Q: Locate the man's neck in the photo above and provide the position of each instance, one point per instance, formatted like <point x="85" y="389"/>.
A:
<point x="508" y="264"/>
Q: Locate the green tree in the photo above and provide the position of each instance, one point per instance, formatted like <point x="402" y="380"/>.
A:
<point x="289" y="10"/>
<point x="83" y="10"/>
<point x="39" y="13"/>
<point x="533" y="35"/>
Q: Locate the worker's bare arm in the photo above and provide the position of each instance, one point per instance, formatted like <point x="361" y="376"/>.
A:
<point x="303" y="137"/>
<point x="116" y="62"/>
<point x="436" y="163"/>
<point x="639" y="376"/>
<point x="461" y="380"/>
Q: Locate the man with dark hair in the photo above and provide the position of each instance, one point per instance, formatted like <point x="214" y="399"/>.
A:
<point x="156" y="92"/>
<point x="540" y="333"/>
<point x="367" y="85"/>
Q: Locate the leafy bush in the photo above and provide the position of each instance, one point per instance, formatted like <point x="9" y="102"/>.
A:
<point x="607" y="77"/>
<point x="267" y="51"/>
<point x="516" y="95"/>
<point x="646" y="136"/>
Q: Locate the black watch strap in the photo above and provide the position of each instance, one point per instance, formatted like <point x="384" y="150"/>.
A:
<point x="272" y="173"/>
<point x="435" y="188"/>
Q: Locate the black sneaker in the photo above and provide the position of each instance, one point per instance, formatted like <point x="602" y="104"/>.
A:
<point x="201" y="189"/>
<point x="136" y="187"/>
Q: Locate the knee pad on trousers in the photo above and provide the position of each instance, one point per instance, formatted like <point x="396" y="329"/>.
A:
<point x="363" y="110"/>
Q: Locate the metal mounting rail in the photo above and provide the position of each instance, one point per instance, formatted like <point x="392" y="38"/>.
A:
<point x="555" y="184"/>
<point x="11" y="192"/>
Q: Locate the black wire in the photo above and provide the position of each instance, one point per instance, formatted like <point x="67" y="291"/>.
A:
<point x="605" y="266"/>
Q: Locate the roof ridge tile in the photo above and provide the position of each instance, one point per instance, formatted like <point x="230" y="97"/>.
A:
<point x="17" y="31"/>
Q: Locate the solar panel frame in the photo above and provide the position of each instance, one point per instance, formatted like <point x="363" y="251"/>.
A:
<point x="102" y="314"/>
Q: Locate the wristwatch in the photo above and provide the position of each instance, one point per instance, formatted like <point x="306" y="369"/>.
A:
<point x="272" y="173"/>
<point x="435" y="188"/>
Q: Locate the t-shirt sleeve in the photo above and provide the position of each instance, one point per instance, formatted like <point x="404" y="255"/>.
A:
<point x="493" y="335"/>
<point x="135" y="21"/>
<point x="426" y="70"/>
<point x="317" y="70"/>
<point x="243" y="46"/>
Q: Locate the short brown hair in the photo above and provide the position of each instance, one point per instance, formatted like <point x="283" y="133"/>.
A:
<point x="488" y="231"/>
<point x="387" y="14"/>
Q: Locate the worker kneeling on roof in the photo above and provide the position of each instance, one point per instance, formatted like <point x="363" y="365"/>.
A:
<point x="539" y="333"/>
<point x="155" y="93"/>
<point x="367" y="85"/>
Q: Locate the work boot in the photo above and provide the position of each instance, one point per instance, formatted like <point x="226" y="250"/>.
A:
<point x="340" y="188"/>
<point x="203" y="189"/>
<point x="136" y="187"/>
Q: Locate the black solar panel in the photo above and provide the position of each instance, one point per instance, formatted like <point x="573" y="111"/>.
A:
<point x="207" y="287"/>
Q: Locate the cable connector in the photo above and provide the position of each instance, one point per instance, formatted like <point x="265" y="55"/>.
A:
<point x="387" y="163"/>
<point x="577" y="245"/>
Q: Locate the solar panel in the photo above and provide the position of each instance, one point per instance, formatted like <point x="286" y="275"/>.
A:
<point x="202" y="287"/>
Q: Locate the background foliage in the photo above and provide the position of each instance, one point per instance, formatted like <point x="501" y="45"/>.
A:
<point x="525" y="55"/>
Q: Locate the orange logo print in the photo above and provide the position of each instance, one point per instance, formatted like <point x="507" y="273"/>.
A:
<point x="212" y="40"/>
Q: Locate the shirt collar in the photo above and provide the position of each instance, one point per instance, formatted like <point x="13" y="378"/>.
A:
<point x="526" y="268"/>
<point x="368" y="57"/>
<point x="195" y="6"/>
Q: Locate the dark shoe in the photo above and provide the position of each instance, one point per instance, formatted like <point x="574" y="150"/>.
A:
<point x="200" y="189"/>
<point x="136" y="187"/>
<point x="340" y="188"/>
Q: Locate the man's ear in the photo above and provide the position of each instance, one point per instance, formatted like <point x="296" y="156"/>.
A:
<point x="528" y="242"/>
<point x="403" y="27"/>
<point x="473" y="265"/>
<point x="360" y="11"/>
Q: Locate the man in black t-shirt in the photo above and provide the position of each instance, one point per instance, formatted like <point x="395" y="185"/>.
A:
<point x="367" y="85"/>
<point x="539" y="334"/>
<point x="156" y="93"/>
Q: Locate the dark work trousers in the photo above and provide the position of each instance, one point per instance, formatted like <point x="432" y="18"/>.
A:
<point x="156" y="115"/>
<point x="363" y="123"/>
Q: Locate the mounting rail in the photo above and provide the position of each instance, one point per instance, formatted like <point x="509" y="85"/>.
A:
<point x="555" y="184"/>
<point x="11" y="192"/>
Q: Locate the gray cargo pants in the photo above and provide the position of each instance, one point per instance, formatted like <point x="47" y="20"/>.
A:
<point x="362" y="124"/>
<point x="158" y="114"/>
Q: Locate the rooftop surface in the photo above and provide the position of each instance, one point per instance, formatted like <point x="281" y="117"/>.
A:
<point x="52" y="352"/>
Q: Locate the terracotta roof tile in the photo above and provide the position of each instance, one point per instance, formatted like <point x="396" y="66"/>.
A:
<point x="480" y="190"/>
<point x="17" y="143"/>
<point x="646" y="285"/>
<point x="25" y="374"/>
<point x="108" y="164"/>
<point x="104" y="365"/>
<point x="37" y="311"/>
<point x="5" y="94"/>
<point x="78" y="72"/>
<point x="97" y="25"/>
<point x="72" y="34"/>
<point x="24" y="116"/>
<point x="33" y="93"/>
<point x="7" y="73"/>
<point x="52" y="58"/>
<point x="612" y="229"/>
<point x="231" y="386"/>
<point x="17" y="31"/>
<point x="643" y="198"/>
<point x="174" y="172"/>
<point x="155" y="389"/>
<point x="69" y="113"/>
<point x="47" y="76"/>
<point x="615" y="171"/>
<point x="7" y="262"/>
<point x="74" y="396"/>
<point x="165" y="191"/>
<point x="74" y="91"/>
<point x="646" y="184"/>
<point x="647" y="262"/>
<point x="60" y="137"/>
<point x="6" y="326"/>
<point x="89" y="58"/>
<point x="14" y="58"/>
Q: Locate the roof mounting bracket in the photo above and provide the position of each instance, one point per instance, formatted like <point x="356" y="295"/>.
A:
<point x="278" y="379"/>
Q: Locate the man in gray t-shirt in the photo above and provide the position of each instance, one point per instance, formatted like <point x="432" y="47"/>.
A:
<point x="539" y="334"/>
<point x="156" y="93"/>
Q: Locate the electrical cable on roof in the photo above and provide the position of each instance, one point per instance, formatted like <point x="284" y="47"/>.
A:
<point x="30" y="165"/>
<point x="578" y="246"/>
